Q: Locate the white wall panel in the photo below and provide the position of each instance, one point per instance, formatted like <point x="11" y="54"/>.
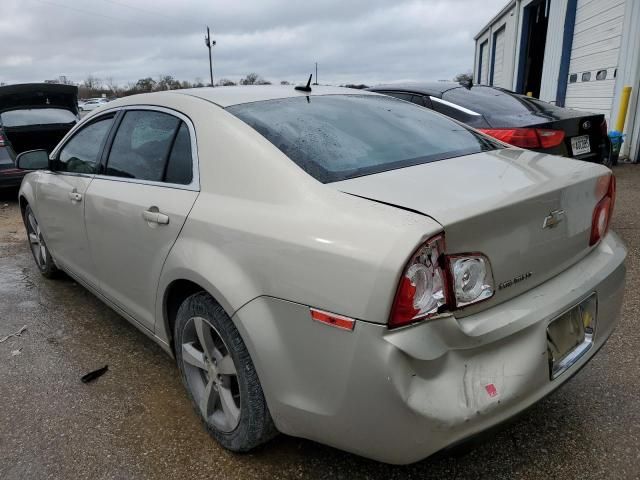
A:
<point x="596" y="46"/>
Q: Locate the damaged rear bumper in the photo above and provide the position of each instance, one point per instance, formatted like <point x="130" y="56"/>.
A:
<point x="400" y="396"/>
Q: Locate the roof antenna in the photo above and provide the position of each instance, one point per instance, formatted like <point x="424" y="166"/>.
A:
<point x="307" y="87"/>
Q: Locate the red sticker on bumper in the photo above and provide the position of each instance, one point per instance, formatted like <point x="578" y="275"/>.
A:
<point x="491" y="390"/>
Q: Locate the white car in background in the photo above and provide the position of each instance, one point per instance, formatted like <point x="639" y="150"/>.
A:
<point x="91" y="104"/>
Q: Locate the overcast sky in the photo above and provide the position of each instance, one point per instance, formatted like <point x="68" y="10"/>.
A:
<point x="353" y="41"/>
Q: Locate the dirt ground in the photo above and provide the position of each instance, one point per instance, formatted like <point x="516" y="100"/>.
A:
<point x="135" y="422"/>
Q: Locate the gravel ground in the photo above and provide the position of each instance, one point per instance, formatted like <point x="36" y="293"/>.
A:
<point x="135" y="422"/>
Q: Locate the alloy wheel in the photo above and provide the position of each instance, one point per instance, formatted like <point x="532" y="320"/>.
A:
<point x="211" y="374"/>
<point x="38" y="247"/>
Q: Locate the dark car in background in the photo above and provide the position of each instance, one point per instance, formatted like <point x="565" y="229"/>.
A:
<point x="33" y="116"/>
<point x="515" y="119"/>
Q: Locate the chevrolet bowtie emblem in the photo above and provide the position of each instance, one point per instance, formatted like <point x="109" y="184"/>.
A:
<point x="553" y="219"/>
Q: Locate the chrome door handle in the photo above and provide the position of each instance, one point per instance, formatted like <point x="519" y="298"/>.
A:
<point x="75" y="196"/>
<point x="155" y="217"/>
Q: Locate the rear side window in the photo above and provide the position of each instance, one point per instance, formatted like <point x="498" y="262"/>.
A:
<point x="37" y="116"/>
<point x="142" y="145"/>
<point x="336" y="137"/>
<point x="180" y="166"/>
<point x="80" y="154"/>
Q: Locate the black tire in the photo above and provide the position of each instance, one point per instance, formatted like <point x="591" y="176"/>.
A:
<point x="255" y="425"/>
<point x="39" y="251"/>
<point x="608" y="162"/>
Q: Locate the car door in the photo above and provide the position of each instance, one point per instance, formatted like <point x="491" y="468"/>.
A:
<point x="137" y="207"/>
<point x="60" y="194"/>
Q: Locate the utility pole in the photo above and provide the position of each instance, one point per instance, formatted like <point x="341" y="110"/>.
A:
<point x="316" y="82"/>
<point x="210" y="43"/>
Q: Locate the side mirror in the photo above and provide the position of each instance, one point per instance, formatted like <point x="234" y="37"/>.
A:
<point x="33" y="160"/>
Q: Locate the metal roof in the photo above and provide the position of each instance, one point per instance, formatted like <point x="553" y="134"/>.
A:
<point x="504" y="10"/>
<point x="227" y="96"/>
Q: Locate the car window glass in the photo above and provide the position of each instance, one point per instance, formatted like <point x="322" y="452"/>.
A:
<point x="336" y="137"/>
<point x="36" y="116"/>
<point x="141" y="146"/>
<point x="180" y="167"/>
<point x="80" y="154"/>
<point x="492" y="101"/>
<point x="400" y="95"/>
<point x="450" y="109"/>
<point x="5" y="157"/>
<point x="418" y="100"/>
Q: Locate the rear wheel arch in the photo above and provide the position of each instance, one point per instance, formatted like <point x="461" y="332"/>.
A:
<point x="175" y="294"/>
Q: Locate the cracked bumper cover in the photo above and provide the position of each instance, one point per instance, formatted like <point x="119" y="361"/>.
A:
<point x="400" y="396"/>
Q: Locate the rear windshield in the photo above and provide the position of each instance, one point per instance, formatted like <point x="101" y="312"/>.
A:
<point x="492" y="101"/>
<point x="36" y="116"/>
<point x="336" y="137"/>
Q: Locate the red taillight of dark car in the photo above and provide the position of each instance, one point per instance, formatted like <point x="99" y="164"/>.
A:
<point x="602" y="213"/>
<point x="527" y="137"/>
<point x="2" y="141"/>
<point x="604" y="129"/>
<point x="433" y="282"/>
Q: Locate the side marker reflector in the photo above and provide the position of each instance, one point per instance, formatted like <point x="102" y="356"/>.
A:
<point x="332" y="319"/>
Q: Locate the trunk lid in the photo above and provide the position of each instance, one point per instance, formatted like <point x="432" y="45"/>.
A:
<point x="496" y="203"/>
<point x="39" y="95"/>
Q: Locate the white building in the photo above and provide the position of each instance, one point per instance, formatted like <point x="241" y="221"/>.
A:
<point x="574" y="53"/>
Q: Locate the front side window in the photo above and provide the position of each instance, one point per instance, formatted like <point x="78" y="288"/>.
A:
<point x="142" y="145"/>
<point x="336" y="137"/>
<point x="80" y="154"/>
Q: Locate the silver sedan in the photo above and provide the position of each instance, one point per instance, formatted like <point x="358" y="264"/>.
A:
<point x="333" y="264"/>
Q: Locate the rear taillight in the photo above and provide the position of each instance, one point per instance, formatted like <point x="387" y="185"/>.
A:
<point x="602" y="213"/>
<point x="2" y="141"/>
<point x="472" y="278"/>
<point x="422" y="289"/>
<point x="433" y="282"/>
<point x="604" y="129"/>
<point x="550" y="138"/>
<point x="527" y="137"/>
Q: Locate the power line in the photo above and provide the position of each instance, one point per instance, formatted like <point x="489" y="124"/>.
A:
<point x="93" y="14"/>
<point x="151" y="12"/>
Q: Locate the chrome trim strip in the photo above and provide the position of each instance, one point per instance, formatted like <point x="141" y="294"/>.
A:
<point x="453" y="105"/>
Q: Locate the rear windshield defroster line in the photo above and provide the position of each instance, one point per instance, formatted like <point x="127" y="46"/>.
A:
<point x="337" y="137"/>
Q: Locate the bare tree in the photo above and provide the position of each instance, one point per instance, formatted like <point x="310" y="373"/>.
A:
<point x="167" y="82"/>
<point x="112" y="85"/>
<point x="225" y="82"/>
<point x="252" y="79"/>
<point x="284" y="82"/>
<point x="145" y="85"/>
<point x="93" y="83"/>
<point x="464" y="78"/>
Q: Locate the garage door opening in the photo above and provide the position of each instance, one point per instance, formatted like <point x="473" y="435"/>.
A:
<point x="535" y="21"/>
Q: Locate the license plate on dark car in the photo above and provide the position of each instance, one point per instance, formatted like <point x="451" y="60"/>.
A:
<point x="580" y="145"/>
<point x="571" y="335"/>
